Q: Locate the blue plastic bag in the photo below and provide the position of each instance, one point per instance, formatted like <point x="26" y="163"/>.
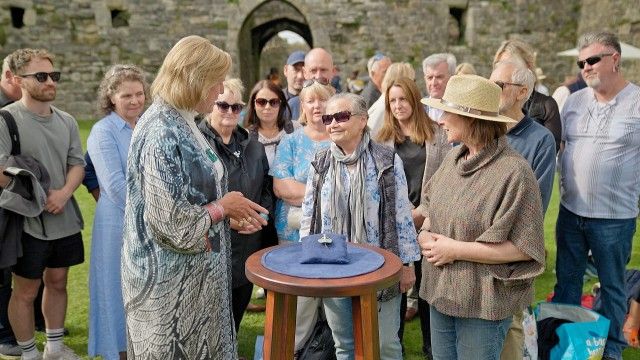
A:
<point x="584" y="338"/>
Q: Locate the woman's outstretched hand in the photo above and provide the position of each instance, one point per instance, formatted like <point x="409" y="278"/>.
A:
<point x="243" y="211"/>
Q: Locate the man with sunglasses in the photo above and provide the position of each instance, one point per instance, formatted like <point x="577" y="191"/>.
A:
<point x="536" y="144"/>
<point x="376" y="66"/>
<point x="599" y="183"/>
<point x="51" y="242"/>
<point x="318" y="65"/>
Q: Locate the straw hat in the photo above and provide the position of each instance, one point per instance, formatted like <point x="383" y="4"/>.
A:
<point x="471" y="95"/>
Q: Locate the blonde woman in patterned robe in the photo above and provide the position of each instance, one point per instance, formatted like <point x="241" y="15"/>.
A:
<point x="176" y="271"/>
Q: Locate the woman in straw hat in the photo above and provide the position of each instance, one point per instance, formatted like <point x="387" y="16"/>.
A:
<point x="482" y="240"/>
<point x="176" y="270"/>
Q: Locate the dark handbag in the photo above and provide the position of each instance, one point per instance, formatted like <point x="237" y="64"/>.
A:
<point x="320" y="345"/>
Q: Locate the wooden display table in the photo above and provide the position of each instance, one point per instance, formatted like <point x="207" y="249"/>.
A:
<point x="283" y="290"/>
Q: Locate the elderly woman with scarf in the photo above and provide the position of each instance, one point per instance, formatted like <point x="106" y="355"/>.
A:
<point x="362" y="193"/>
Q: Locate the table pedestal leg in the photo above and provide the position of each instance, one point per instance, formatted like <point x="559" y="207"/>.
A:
<point x="279" y="326"/>
<point x="365" y="327"/>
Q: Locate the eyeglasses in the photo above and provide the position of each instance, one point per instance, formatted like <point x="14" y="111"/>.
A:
<point x="263" y="102"/>
<point x="42" y="76"/>
<point x="320" y="80"/>
<point x="592" y="60"/>
<point x="342" y="116"/>
<point x="502" y="84"/>
<point x="224" y="107"/>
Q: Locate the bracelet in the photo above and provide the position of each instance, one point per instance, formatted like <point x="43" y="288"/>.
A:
<point x="216" y="211"/>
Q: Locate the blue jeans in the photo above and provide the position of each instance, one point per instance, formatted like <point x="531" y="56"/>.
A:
<point x="610" y="243"/>
<point x="339" y="317"/>
<point x="466" y="338"/>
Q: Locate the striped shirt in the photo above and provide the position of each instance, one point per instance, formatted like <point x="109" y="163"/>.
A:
<point x="600" y="165"/>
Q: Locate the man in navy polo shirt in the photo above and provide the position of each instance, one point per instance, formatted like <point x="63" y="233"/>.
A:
<point x="536" y="144"/>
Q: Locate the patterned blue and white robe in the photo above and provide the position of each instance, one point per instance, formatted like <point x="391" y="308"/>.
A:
<point x="176" y="295"/>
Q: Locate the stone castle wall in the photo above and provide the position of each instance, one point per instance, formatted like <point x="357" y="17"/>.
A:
<point x="86" y="40"/>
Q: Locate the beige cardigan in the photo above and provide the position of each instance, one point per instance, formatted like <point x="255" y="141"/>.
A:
<point x="491" y="197"/>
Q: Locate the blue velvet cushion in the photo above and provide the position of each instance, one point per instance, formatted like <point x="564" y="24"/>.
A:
<point x="325" y="248"/>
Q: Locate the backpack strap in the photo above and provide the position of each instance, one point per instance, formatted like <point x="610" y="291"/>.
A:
<point x="13" y="131"/>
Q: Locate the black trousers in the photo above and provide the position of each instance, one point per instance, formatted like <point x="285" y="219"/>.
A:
<point x="240" y="298"/>
<point x="423" y="313"/>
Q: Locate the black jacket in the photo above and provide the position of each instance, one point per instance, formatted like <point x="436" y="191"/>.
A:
<point x="24" y="193"/>
<point x="247" y="172"/>
<point x="544" y="110"/>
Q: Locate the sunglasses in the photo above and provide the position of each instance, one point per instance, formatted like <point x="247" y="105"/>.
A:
<point x="592" y="60"/>
<point x="342" y="116"/>
<point x="42" y="76"/>
<point x="321" y="81"/>
<point x="263" y="102"/>
<point x="224" y="107"/>
<point x="502" y="84"/>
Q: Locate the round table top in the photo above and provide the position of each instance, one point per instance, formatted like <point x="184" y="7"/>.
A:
<point x="379" y="279"/>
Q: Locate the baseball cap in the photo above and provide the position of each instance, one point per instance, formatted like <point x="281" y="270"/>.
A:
<point x="296" y="57"/>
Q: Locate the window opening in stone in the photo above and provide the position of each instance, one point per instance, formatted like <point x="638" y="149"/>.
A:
<point x="456" y="30"/>
<point x="17" y="16"/>
<point x="119" y="18"/>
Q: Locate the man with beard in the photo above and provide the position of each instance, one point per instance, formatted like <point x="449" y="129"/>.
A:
<point x="536" y="144"/>
<point x="52" y="241"/>
<point x="599" y="182"/>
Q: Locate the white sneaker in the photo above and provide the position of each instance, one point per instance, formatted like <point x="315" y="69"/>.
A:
<point x="64" y="354"/>
<point x="10" y="351"/>
<point x="38" y="357"/>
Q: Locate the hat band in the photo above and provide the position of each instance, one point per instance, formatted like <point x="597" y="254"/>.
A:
<point x="467" y="109"/>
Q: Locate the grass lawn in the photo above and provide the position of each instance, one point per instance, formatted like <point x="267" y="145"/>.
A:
<point x="252" y="325"/>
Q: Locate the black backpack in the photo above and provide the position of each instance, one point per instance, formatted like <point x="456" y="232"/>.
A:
<point x="320" y="345"/>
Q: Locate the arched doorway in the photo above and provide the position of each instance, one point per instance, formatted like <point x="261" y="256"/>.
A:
<point x="263" y="23"/>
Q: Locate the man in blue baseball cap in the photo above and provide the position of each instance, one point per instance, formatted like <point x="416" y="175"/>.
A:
<point x="294" y="72"/>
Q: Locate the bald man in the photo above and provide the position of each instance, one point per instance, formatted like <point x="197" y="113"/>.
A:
<point x="318" y="65"/>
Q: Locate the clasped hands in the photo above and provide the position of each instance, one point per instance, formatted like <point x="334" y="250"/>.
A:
<point x="243" y="213"/>
<point x="438" y="249"/>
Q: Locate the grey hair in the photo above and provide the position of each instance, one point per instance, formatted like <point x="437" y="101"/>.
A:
<point x="5" y="66"/>
<point x="605" y="38"/>
<point x="113" y="78"/>
<point x="436" y="59"/>
<point x="358" y="103"/>
<point x="372" y="64"/>
<point x="521" y="74"/>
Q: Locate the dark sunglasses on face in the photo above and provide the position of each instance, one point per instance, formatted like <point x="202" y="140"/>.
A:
<point x="342" y="116"/>
<point x="263" y="102"/>
<point x="42" y="76"/>
<point x="502" y="84"/>
<point x="321" y="81"/>
<point x="591" y="60"/>
<point x="224" y="107"/>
